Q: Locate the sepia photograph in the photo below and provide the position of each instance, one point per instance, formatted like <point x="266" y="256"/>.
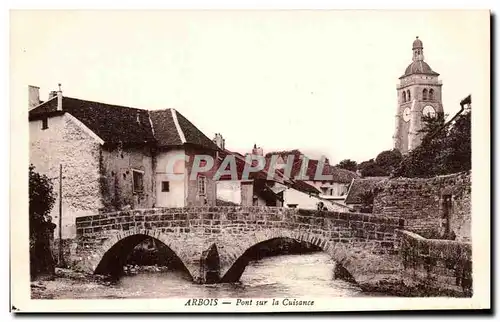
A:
<point x="249" y="160"/>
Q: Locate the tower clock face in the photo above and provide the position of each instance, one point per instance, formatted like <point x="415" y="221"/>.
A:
<point x="429" y="111"/>
<point x="406" y="114"/>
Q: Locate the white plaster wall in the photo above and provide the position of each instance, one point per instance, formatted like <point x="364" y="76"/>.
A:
<point x="333" y="188"/>
<point x="229" y="190"/>
<point x="66" y="143"/>
<point x="302" y="200"/>
<point x="176" y="197"/>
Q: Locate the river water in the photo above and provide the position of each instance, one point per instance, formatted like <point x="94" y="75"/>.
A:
<point x="304" y="275"/>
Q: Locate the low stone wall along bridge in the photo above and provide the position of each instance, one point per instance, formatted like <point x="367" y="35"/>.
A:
<point x="212" y="242"/>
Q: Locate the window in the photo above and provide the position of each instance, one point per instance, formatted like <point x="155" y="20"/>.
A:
<point x="45" y="123"/>
<point x="165" y="186"/>
<point x="138" y="180"/>
<point x="424" y="95"/>
<point x="446" y="214"/>
<point x="202" y="185"/>
<point x="404" y="96"/>
<point x="408" y="95"/>
<point x="431" y="95"/>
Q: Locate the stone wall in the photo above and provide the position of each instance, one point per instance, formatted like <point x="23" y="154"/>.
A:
<point x="66" y="143"/>
<point x="117" y="165"/>
<point x="420" y="202"/>
<point x="436" y="267"/>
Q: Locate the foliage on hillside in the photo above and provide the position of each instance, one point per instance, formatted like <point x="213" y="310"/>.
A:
<point x="348" y="164"/>
<point x="444" y="152"/>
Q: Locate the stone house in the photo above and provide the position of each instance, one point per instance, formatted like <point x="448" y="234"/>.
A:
<point x="256" y="190"/>
<point x="334" y="189"/>
<point x="295" y="192"/>
<point x="116" y="157"/>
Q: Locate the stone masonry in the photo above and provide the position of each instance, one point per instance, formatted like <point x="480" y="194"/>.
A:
<point x="420" y="202"/>
<point x="436" y="267"/>
<point x="363" y="244"/>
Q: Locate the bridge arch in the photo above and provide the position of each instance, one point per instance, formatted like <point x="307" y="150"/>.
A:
<point x="110" y="257"/>
<point x="354" y="261"/>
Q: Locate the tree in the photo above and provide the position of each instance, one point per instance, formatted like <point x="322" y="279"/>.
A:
<point x="371" y="169"/>
<point x="444" y="150"/>
<point x="348" y="164"/>
<point x="41" y="201"/>
<point x="389" y="160"/>
<point x="41" y="195"/>
<point x="456" y="155"/>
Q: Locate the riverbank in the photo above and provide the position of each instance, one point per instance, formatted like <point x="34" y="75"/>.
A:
<point x="262" y="280"/>
<point x="68" y="284"/>
<point x="64" y="281"/>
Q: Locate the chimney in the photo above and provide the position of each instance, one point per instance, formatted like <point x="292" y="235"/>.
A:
<point x="257" y="150"/>
<point x="219" y="141"/>
<point x="138" y="117"/>
<point x="33" y="96"/>
<point x="59" y="98"/>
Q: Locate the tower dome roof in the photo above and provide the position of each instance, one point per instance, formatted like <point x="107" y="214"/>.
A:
<point x="417" y="43"/>
<point x="419" y="67"/>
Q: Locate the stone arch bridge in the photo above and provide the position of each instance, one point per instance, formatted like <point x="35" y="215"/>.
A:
<point x="212" y="242"/>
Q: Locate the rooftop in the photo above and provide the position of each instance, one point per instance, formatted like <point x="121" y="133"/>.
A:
<point x="128" y="125"/>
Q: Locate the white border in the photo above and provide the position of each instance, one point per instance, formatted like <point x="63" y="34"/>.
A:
<point x="109" y="305"/>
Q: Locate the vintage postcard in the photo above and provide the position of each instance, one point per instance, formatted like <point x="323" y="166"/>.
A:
<point x="249" y="161"/>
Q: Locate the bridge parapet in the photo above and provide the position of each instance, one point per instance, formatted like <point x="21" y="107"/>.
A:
<point x="436" y="266"/>
<point x="213" y="219"/>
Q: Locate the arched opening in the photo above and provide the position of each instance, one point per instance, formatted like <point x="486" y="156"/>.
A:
<point x="135" y="251"/>
<point x="424" y="94"/>
<point x="431" y="94"/>
<point x="408" y="95"/>
<point x="279" y="246"/>
<point x="404" y="96"/>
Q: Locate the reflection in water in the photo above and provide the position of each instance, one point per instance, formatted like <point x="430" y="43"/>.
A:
<point x="306" y="275"/>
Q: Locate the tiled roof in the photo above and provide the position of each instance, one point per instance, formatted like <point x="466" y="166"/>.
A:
<point x="360" y="186"/>
<point x="240" y="166"/>
<point x="338" y="174"/>
<point x="263" y="174"/>
<point x="192" y="134"/>
<point x="284" y="154"/>
<point x="113" y="123"/>
<point x="165" y="129"/>
<point x="303" y="186"/>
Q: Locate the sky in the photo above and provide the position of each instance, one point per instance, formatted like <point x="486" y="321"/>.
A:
<point x="323" y="82"/>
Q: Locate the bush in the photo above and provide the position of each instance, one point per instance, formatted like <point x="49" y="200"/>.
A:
<point x="41" y="201"/>
<point x="348" y="164"/>
<point x="371" y="169"/>
<point x="445" y="152"/>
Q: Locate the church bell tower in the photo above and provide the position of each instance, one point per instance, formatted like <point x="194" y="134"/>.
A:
<point x="419" y="93"/>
